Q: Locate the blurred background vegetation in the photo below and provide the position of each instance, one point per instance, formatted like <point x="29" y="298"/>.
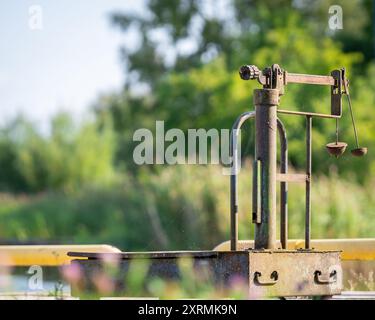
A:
<point x="79" y="184"/>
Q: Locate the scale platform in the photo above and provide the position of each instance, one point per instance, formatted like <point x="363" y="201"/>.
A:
<point x="267" y="273"/>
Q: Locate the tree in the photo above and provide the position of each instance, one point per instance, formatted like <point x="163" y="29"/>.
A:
<point x="233" y="28"/>
<point x="64" y="161"/>
<point x="200" y="88"/>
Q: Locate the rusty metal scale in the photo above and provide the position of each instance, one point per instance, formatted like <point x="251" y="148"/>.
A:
<point x="268" y="270"/>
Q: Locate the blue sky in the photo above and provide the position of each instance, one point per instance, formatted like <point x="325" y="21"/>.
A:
<point x="63" y="66"/>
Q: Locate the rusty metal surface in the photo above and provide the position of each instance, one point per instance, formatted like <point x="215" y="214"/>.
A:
<point x="283" y="184"/>
<point x="308" y="182"/>
<point x="146" y="255"/>
<point x="218" y="269"/>
<point x="267" y="273"/>
<point x="266" y="102"/>
<point x="233" y="152"/>
<point x="296" y="273"/>
<point x="309" y="79"/>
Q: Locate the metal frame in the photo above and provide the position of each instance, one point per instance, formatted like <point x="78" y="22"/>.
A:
<point x="266" y="101"/>
<point x="234" y="181"/>
<point x="283" y="177"/>
<point x="233" y="152"/>
<point x="263" y="180"/>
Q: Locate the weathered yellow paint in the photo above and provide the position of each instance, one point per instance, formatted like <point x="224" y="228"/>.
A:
<point x="352" y="249"/>
<point x="46" y="255"/>
<point x="55" y="255"/>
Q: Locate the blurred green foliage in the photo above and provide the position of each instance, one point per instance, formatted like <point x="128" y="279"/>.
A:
<point x="80" y="184"/>
<point x="182" y="208"/>
<point x="71" y="156"/>
<point x="200" y="87"/>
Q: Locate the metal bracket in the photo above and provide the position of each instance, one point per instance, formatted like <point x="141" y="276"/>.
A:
<point x="332" y="277"/>
<point x="274" y="277"/>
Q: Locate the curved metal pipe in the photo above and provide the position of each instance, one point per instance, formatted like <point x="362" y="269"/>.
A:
<point x="233" y="152"/>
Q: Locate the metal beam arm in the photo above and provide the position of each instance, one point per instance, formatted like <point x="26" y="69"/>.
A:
<point x="309" y="79"/>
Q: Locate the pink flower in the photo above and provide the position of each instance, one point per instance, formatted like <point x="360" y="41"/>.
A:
<point x="111" y="260"/>
<point x="72" y="272"/>
<point x="103" y="283"/>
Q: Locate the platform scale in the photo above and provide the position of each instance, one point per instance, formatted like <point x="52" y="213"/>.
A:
<point x="268" y="270"/>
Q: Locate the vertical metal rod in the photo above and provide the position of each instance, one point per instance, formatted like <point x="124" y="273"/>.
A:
<point x="308" y="182"/>
<point x="283" y="185"/>
<point x="266" y="102"/>
<point x="233" y="153"/>
<point x="352" y="116"/>
<point x="257" y="189"/>
<point x="233" y="212"/>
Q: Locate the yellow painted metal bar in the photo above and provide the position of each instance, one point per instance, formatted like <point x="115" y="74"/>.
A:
<point x="352" y="249"/>
<point x="55" y="255"/>
<point x="46" y="255"/>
